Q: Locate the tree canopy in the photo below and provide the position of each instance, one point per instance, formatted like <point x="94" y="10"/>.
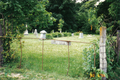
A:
<point x="64" y="9"/>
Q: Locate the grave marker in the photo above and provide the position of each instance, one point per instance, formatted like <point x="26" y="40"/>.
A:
<point x="60" y="42"/>
<point x="43" y="34"/>
<point x="26" y="31"/>
<point x="80" y="35"/>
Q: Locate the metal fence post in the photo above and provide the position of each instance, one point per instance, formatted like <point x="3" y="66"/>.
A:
<point x="42" y="51"/>
<point x="68" y="58"/>
<point x="21" y="52"/>
<point x="118" y="44"/>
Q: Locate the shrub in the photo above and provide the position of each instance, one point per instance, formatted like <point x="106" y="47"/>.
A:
<point x="10" y="54"/>
<point x="65" y="34"/>
<point x="60" y="35"/>
<point x="54" y="34"/>
<point x="76" y="33"/>
<point x="49" y="36"/>
<point x="69" y="34"/>
<point x="88" y="57"/>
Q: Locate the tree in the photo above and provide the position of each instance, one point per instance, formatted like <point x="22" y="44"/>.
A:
<point x="60" y="25"/>
<point x="109" y="9"/>
<point x="83" y="16"/>
<point x="16" y="13"/>
<point x="64" y="9"/>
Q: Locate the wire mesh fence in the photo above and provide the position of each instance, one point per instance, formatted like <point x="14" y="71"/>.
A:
<point x="61" y="55"/>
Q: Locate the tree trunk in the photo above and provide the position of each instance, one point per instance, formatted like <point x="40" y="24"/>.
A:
<point x="1" y="47"/>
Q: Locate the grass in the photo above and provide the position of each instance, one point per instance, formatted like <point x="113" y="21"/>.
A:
<point x="55" y="59"/>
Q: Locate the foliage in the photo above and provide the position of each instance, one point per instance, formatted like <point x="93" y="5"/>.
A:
<point x="112" y="63"/>
<point x="63" y="9"/>
<point x="65" y="34"/>
<point x="55" y="34"/>
<point x="76" y="33"/>
<point x="60" y="25"/>
<point x="69" y="34"/>
<point x="84" y="13"/>
<point x="15" y="14"/>
<point x="11" y="55"/>
<point x="92" y="19"/>
<point x="49" y="36"/>
<point x="95" y="74"/>
<point x="110" y="14"/>
<point x="60" y="34"/>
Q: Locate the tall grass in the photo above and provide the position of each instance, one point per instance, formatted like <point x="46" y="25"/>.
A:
<point x="55" y="57"/>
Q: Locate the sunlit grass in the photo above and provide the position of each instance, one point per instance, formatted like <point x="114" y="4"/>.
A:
<point x="55" y="57"/>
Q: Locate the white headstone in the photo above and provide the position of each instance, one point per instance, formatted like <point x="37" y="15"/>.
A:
<point x="72" y="34"/>
<point x="89" y="35"/>
<point x="81" y="35"/>
<point x="60" y="42"/>
<point x="35" y="32"/>
<point x="26" y="31"/>
<point x="43" y="34"/>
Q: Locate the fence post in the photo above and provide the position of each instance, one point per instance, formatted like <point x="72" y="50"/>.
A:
<point x="118" y="44"/>
<point x="68" y="59"/>
<point x="21" y="53"/>
<point x="102" y="55"/>
<point x="1" y="47"/>
<point x="42" y="51"/>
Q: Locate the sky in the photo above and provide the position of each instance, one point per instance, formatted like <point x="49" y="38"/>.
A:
<point x="95" y="4"/>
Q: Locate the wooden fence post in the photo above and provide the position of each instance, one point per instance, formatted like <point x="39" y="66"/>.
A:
<point x="118" y="44"/>
<point x="102" y="55"/>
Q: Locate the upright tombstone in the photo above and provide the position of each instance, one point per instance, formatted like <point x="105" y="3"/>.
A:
<point x="80" y="35"/>
<point x="43" y="34"/>
<point x="72" y="34"/>
<point x="102" y="55"/>
<point x="26" y="31"/>
<point x="36" y="33"/>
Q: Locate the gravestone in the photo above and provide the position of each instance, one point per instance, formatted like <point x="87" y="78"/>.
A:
<point x="32" y="31"/>
<point x="72" y="34"/>
<point x="26" y="31"/>
<point x="43" y="34"/>
<point x="80" y="35"/>
<point x="60" y="42"/>
<point x="35" y="33"/>
<point x="89" y="35"/>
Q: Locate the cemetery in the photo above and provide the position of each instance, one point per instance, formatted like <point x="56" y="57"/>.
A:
<point x="59" y="40"/>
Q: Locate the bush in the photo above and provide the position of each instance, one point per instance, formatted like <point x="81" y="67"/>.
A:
<point x="76" y="33"/>
<point x="55" y="34"/>
<point x="60" y="34"/>
<point x="88" y="57"/>
<point x="65" y="34"/>
<point x="49" y="36"/>
<point x="69" y="34"/>
<point x="10" y="54"/>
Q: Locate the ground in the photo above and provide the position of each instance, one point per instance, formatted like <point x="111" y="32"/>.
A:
<point x="55" y="60"/>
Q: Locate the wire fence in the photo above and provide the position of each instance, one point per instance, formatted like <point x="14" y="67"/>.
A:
<point x="46" y="46"/>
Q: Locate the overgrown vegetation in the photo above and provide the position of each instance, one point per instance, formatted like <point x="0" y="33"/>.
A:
<point x="112" y="64"/>
<point x="55" y="60"/>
